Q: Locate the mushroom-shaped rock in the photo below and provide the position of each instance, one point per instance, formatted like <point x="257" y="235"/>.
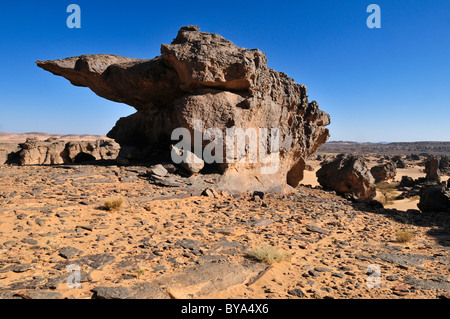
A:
<point x="202" y="77"/>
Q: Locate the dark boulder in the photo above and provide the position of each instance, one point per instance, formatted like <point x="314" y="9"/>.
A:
<point x="407" y="181"/>
<point x="434" y="198"/>
<point x="384" y="172"/>
<point x="349" y="176"/>
<point x="398" y="161"/>
<point x="444" y="165"/>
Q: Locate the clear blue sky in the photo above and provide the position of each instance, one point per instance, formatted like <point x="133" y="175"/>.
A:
<point x="388" y="84"/>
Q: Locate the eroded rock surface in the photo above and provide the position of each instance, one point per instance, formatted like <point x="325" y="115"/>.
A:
<point x="204" y="77"/>
<point x="384" y="172"/>
<point x="349" y="176"/>
<point x="432" y="169"/>
<point x="434" y="198"/>
<point x="55" y="151"/>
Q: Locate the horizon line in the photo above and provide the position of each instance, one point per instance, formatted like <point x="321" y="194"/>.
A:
<point x="328" y="142"/>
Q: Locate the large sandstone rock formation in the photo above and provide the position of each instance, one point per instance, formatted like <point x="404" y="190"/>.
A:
<point x="202" y="76"/>
<point x="49" y="152"/>
<point x="55" y="151"/>
<point x="349" y="176"/>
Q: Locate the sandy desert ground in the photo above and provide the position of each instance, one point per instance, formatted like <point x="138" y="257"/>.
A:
<point x="172" y="242"/>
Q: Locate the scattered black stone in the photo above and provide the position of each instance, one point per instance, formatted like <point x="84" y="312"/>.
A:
<point x="223" y="231"/>
<point x="402" y="259"/>
<point x="144" y="290"/>
<point x="159" y="268"/>
<point x="160" y="181"/>
<point x="129" y="178"/>
<point x="39" y="221"/>
<point x="313" y="273"/>
<point x="5" y="294"/>
<point x="189" y="244"/>
<point x="29" y="241"/>
<point x="22" y="216"/>
<point x="210" y="258"/>
<point x="391" y="278"/>
<point x="322" y="269"/>
<point x="88" y="227"/>
<point x="315" y="229"/>
<point x="100" y="237"/>
<point x="97" y="261"/>
<point x="35" y="283"/>
<point x="69" y="252"/>
<point x="258" y="194"/>
<point x="297" y="292"/>
<point x="112" y="293"/>
<point x="427" y="284"/>
<point x="39" y="294"/>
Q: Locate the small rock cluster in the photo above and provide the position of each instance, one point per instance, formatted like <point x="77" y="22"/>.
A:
<point x="349" y="176"/>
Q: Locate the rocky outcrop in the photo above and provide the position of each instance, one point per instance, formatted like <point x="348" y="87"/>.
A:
<point x="204" y="77"/>
<point x="349" y="176"/>
<point x="48" y="152"/>
<point x="432" y="169"/>
<point x="384" y="172"/>
<point x="444" y="165"/>
<point x="434" y="198"/>
<point x="398" y="161"/>
<point x="54" y="151"/>
<point x="407" y="181"/>
<point x="204" y="280"/>
<point x="84" y="151"/>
